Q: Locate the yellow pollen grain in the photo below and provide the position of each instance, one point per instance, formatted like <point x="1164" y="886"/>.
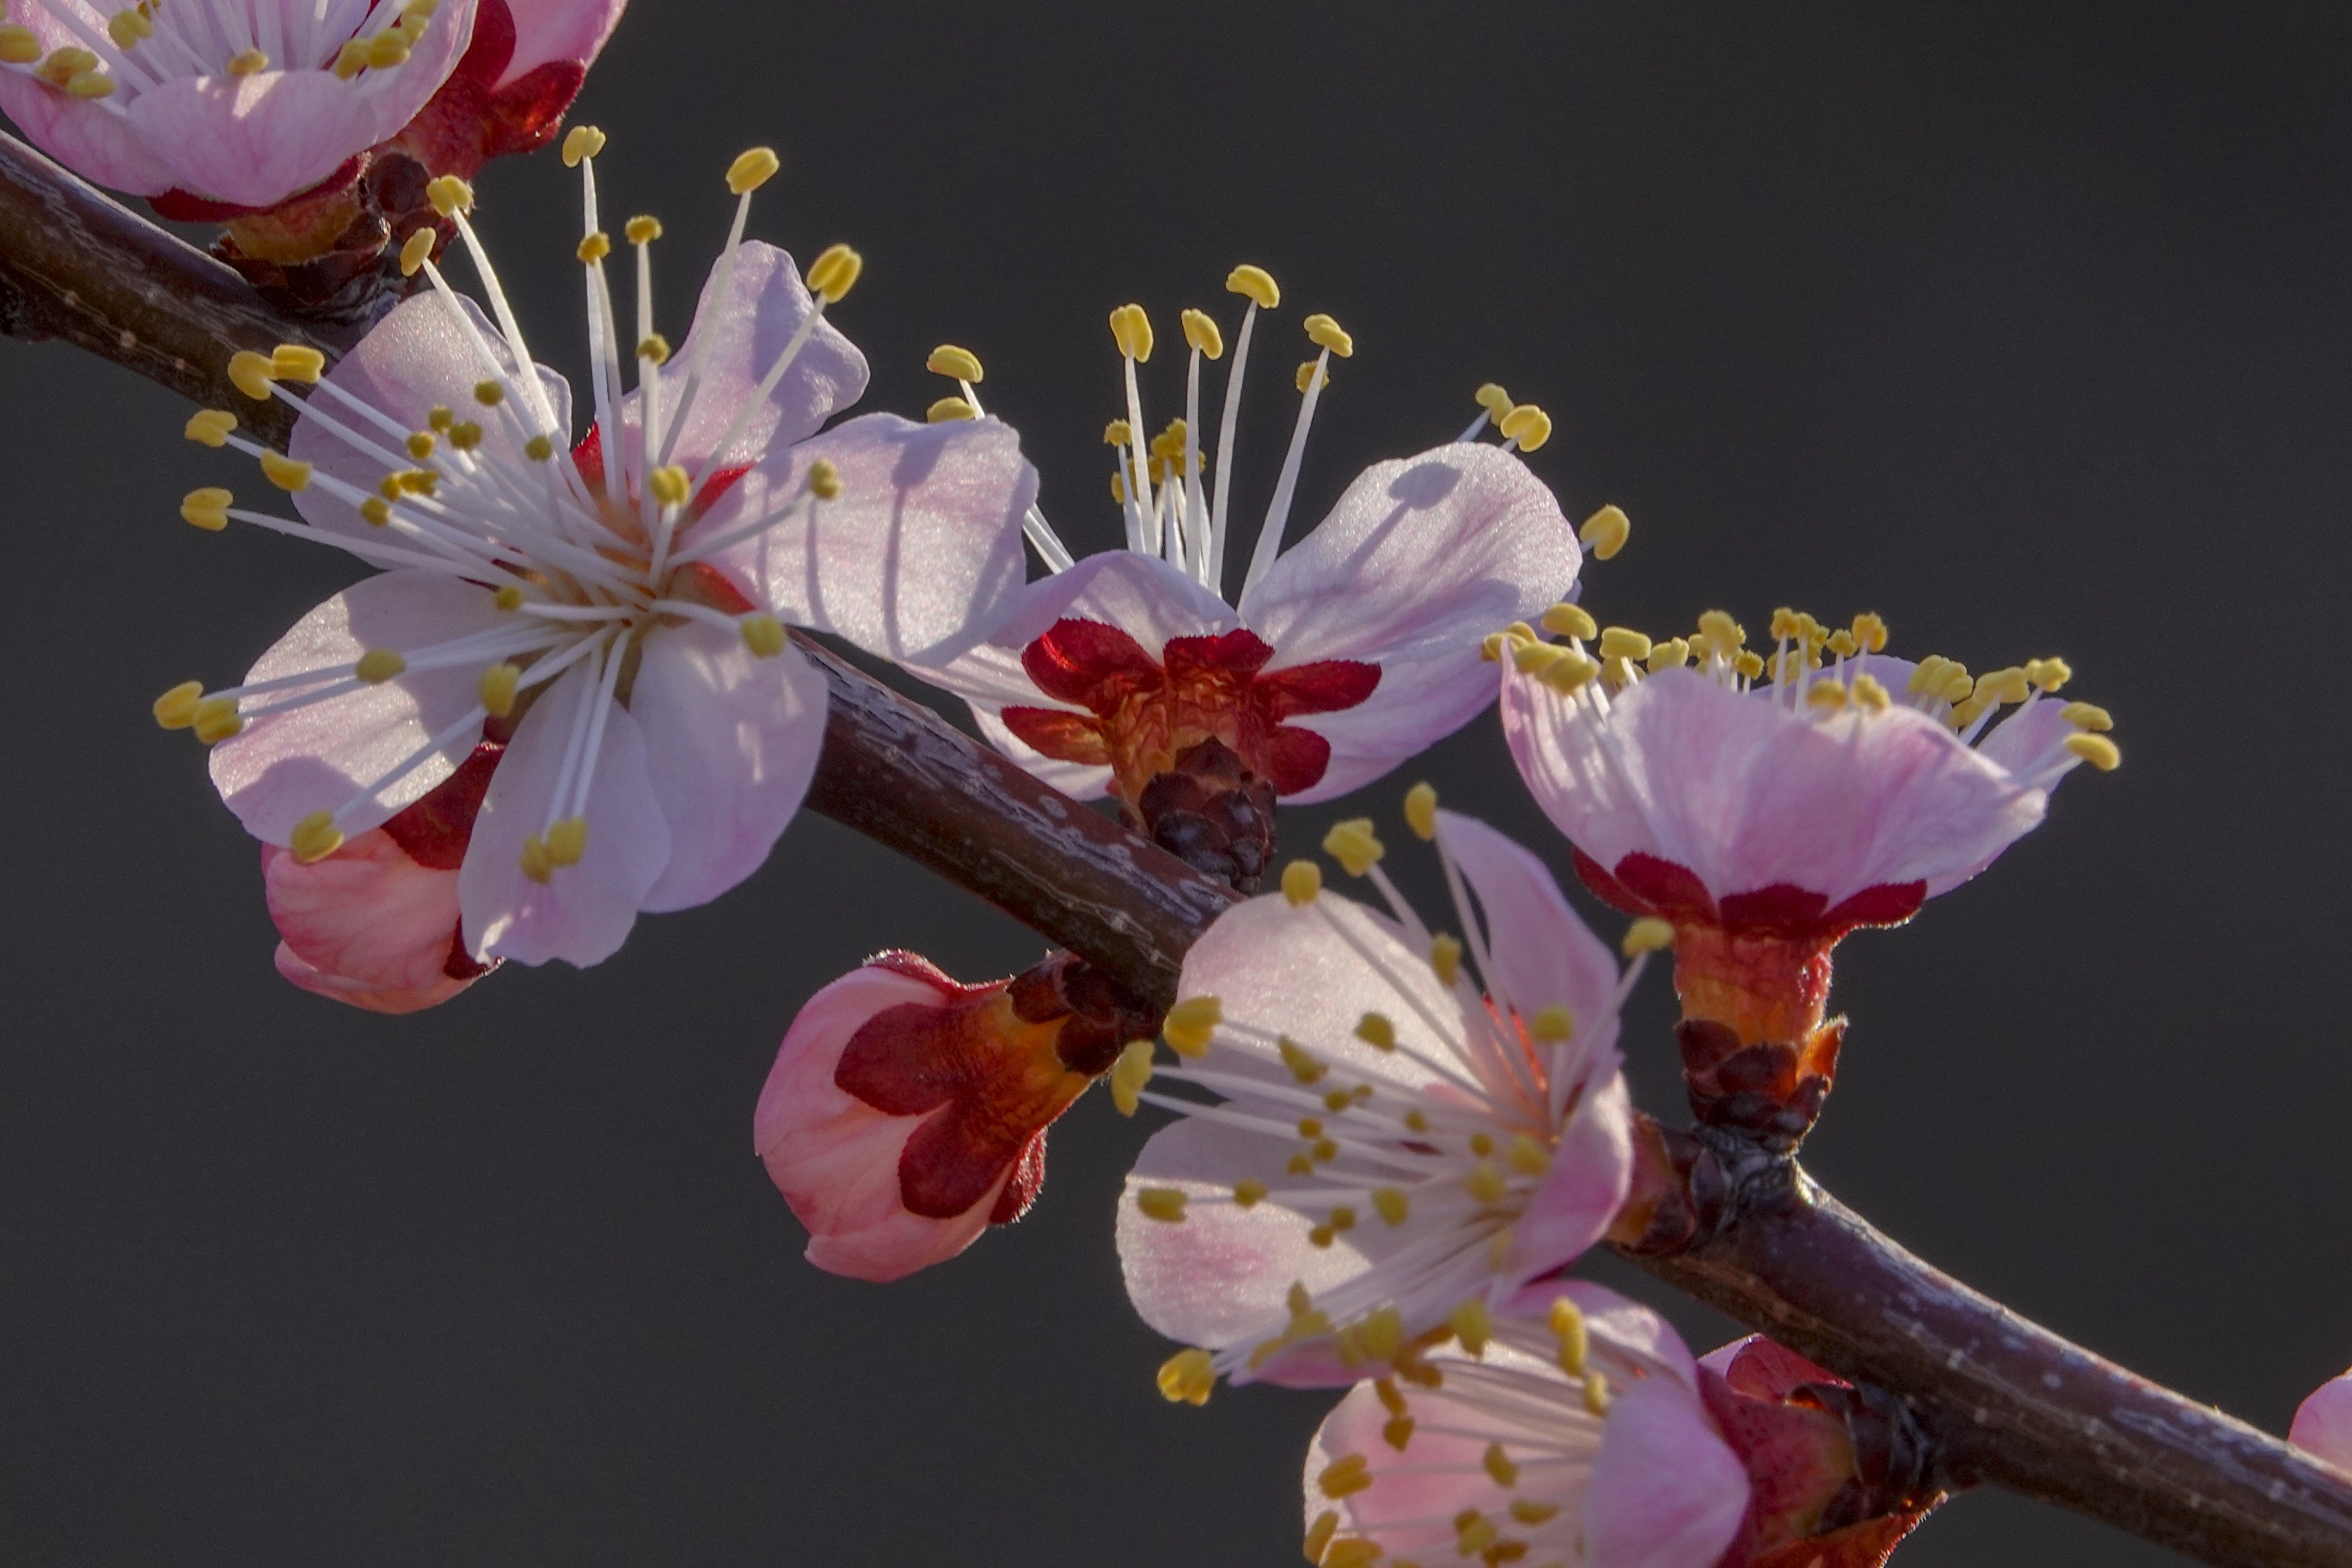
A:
<point x="1304" y="1066"/>
<point x="1490" y="647"/>
<point x="1187" y="1377"/>
<point x="654" y="349"/>
<point x="1605" y="531"/>
<point x="1131" y="329"/>
<point x="1321" y="1236"/>
<point x="1118" y="489"/>
<point x="89" y="84"/>
<point x="834" y="272"/>
<point x="1966" y="713"/>
<point x="379" y="665"/>
<point x="2096" y="750"/>
<point x="1647" y="934"/>
<point x="947" y="410"/>
<point x="1397" y="1432"/>
<point x="1346" y="1476"/>
<point x="1445" y="957"/>
<point x="176" y="709"/>
<point x="1671" y="654"/>
<point x="567" y="841"/>
<point x="1825" y="694"/>
<point x="669" y="485"/>
<point x="752" y="169"/>
<point x="824" y="479"/>
<point x="1472" y="1326"/>
<point x="1721" y="633"/>
<point x="1353" y="1551"/>
<point x="387" y="49"/>
<point x="1418" y="1120"/>
<point x="642" y="229"/>
<point x="1596" y="1393"/>
<point x="490" y="393"/>
<point x="1301" y="881"/>
<point x="1192" y="1024"/>
<point x="1842" y="644"/>
<point x="1129" y="1075"/>
<point x="1571" y="621"/>
<point x="420" y="445"/>
<point x="1324" y="1150"/>
<point x="1869" y="695"/>
<point x="1552" y="1023"/>
<point x="2049" y="674"/>
<point x="1200" y="333"/>
<point x="1354" y="845"/>
<point x="1568" y="676"/>
<point x="763" y="635"/>
<point x="1256" y="284"/>
<point x="1482" y="1144"/>
<point x="1485" y="1183"/>
<point x="349" y="61"/>
<point x="1306" y="376"/>
<point x="465" y="434"/>
<point x="210" y="426"/>
<point x="1617" y="642"/>
<point x="248" y="63"/>
<point x="1526" y="1156"/>
<point x="581" y="142"/>
<point x="1391" y="1205"/>
<point x="1319" y="1535"/>
<point x="1568" y="1327"/>
<point x="2008" y="685"/>
<point x="1118" y="433"/>
<point x="594" y="248"/>
<point x="534" y="860"/>
<point x="1526" y="424"/>
<point x="1870" y="632"/>
<point x="285" y="473"/>
<point x="449" y="196"/>
<point x="1750" y="665"/>
<point x="1533" y="657"/>
<point x="1420" y="811"/>
<point x="1343" y="1217"/>
<point x="2087" y="716"/>
<point x="1495" y="401"/>
<point x="1249" y="1194"/>
<point x="315" y="837"/>
<point x="956" y="363"/>
<point x="439" y="419"/>
<point x="252" y="373"/>
<point x="1528" y="1511"/>
<point x="63" y="65"/>
<point x="508" y="597"/>
<point x="1498" y="1465"/>
<point x="1163" y="1203"/>
<point x="375" y="511"/>
<point x="18" y="45"/>
<point x="1376" y="1030"/>
<point x="218" y="719"/>
<point x="1326" y="333"/>
<point x="498" y="688"/>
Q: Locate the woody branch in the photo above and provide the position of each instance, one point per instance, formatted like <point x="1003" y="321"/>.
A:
<point x="2008" y="1403"/>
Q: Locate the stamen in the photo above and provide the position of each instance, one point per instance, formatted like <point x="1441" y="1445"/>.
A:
<point x="1605" y="532"/>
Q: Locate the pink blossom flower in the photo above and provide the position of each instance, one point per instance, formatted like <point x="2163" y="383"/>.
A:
<point x="1391" y="1150"/>
<point x="528" y="62"/>
<point x="2323" y="1422"/>
<point x="906" y="1113"/>
<point x="1765" y="819"/>
<point x="610" y="612"/>
<point x="1343" y="655"/>
<point x="239" y="103"/>
<point x="1569" y="1430"/>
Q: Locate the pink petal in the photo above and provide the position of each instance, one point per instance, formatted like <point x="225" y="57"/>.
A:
<point x="292" y="761"/>
<point x="730" y="742"/>
<point x="919" y="557"/>
<point x="366" y="914"/>
<point x="356" y="993"/>
<point x="559" y="30"/>
<point x="765" y="304"/>
<point x="1437" y="1477"/>
<point x="1667" y="1492"/>
<point x="834" y="1157"/>
<point x="416" y="359"/>
<point x="1543" y="955"/>
<point x="92" y="140"/>
<point x="2323" y="1422"/>
<point x="1591" y="1171"/>
<point x="583" y="912"/>
<point x="1422" y="558"/>
<point x="1627" y="1339"/>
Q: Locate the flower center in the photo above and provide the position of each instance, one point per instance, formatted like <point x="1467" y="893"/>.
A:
<point x="144" y="46"/>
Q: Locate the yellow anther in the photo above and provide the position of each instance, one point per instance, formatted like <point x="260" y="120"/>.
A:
<point x="1616" y="642"/>
<point x="1870" y="632"/>
<point x="490" y="393"/>
<point x="654" y="349"/>
<point x="958" y="364"/>
<point x="2096" y="750"/>
<point x="1533" y="657"/>
<point x="1671" y="654"/>
<point x="824" y="479"/>
<point x="128" y="27"/>
<point x="949" y="408"/>
<point x="1192" y="1024"/>
<point x="1445" y="957"/>
<point x="440" y="417"/>
<point x="508" y="597"/>
<point x="1301" y="881"/>
<point x="252" y="373"/>
<point x="1964" y="714"/>
<point x="753" y="169"/>
<point x="1596" y="1393"/>
<point x="1842" y="644"/>
<point x="1927" y="674"/>
<point x="1164" y="1203"/>
<point x="1257" y="283"/>
<point x="1186" y="1378"/>
<point x="1354" y="845"/>
<point x="1957" y="685"/>
<point x="1118" y="433"/>
<point x="1298" y="1299"/>
<point x="1376" y="1031"/>
<point x="1249" y="1194"/>
<point x="1344" y="1477"/>
<point x="315" y="837"/>
<point x="1498" y="1465"/>
<point x="1319" y="1535"/>
<point x="1327" y="334"/>
<point x="567" y="841"/>
<point x="1551" y="1023"/>
<point x="1306" y="376"/>
<point x="1392" y="1206"/>
<point x="89" y="84"/>
<point x="1530" y="426"/>
<point x="176" y="709"/>
<point x="1474" y="1533"/>
<point x="1482" y="1144"/>
<point x="420" y="445"/>
<point x="218" y="719"/>
<point x="1129" y="1075"/>
<point x="1786" y="622"/>
<point x="375" y="511"/>
<point x="1569" y="676"/>
<point x="534" y="860"/>
<point x="1648" y="935"/>
<point x="285" y="473"/>
<point x="1495" y="401"/>
<point x="1749" y="664"/>
<point x="1618" y="672"/>
<point x="1722" y="635"/>
<point x="763" y="635"/>
<point x="465" y="434"/>
<point x="594" y="247"/>
<point x="1131" y="329"/>
<point x="1417" y="1121"/>
<point x="1343" y="1217"/>
<point x="210" y="426"/>
<point x="834" y="272"/>
<point x="1827" y="696"/>
<point x="1352" y="1551"/>
<point x="498" y="688"/>
<point x="379" y="665"/>
<point x="1868" y="694"/>
<point x="1170" y="443"/>
<point x="1605" y="531"/>
<point x="1310" y="1126"/>
<point x="1118" y="489"/>
<point x="248" y="63"/>
<point x="18" y="47"/>
<point x="350" y="59"/>
<point x="1485" y="1183"/>
<point x="1397" y="1431"/>
<point x="1472" y="1326"/>
<point x="449" y="196"/>
<point x="1526" y="1156"/>
<point x="1527" y="1511"/>
<point x="1490" y="647"/>
<point x="1307" y="1068"/>
<point x="63" y="65"/>
<point x="642" y="229"/>
<point x="1568" y="1327"/>
<point x="2087" y="716"/>
<point x="670" y="485"/>
<point x="2009" y="685"/>
<point x="387" y="49"/>
<point x="2049" y="674"/>
<point x="1201" y="332"/>
<point x="1571" y="621"/>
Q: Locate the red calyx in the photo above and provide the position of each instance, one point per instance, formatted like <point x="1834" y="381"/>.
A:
<point x="472" y="120"/>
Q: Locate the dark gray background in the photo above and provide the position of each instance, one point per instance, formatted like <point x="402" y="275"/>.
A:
<point x="2024" y="325"/>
